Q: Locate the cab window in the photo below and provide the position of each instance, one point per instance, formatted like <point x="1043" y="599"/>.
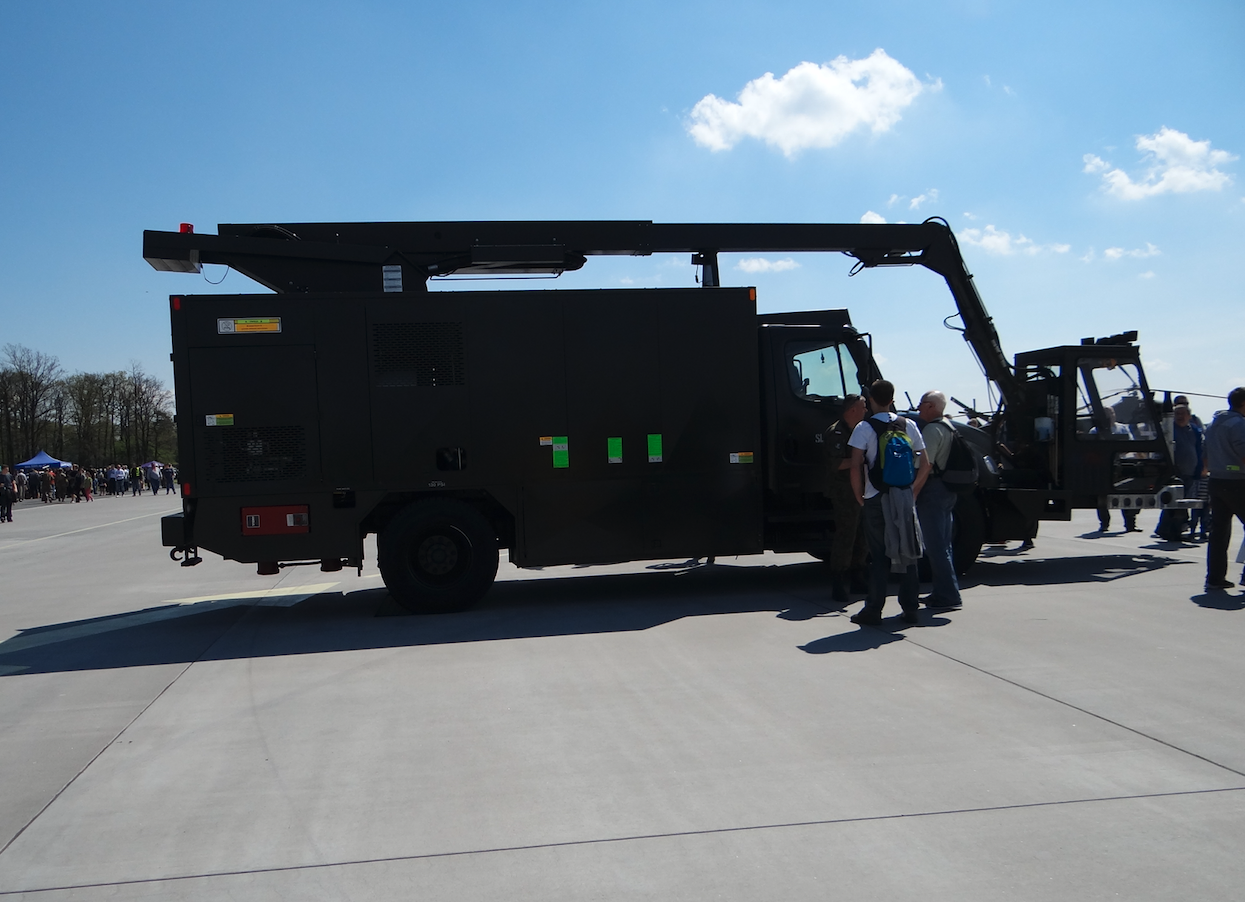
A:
<point x="1112" y="402"/>
<point x="819" y="369"/>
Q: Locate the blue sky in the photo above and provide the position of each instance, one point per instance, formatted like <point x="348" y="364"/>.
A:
<point x="1087" y="154"/>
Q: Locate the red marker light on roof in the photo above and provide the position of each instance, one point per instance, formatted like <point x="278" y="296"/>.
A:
<point x="187" y="228"/>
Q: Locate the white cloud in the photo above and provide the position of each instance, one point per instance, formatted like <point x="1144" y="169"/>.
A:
<point x="930" y="195"/>
<point x="1116" y="253"/>
<point x="810" y="106"/>
<point x="969" y="216"/>
<point x="1176" y="165"/>
<point x="627" y="280"/>
<point x="1149" y="274"/>
<point x="870" y="216"/>
<point x="997" y="241"/>
<point x="760" y="264"/>
<point x="1094" y="163"/>
<point x="894" y="199"/>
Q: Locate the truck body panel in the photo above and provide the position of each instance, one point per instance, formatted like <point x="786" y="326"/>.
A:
<point x="609" y="425"/>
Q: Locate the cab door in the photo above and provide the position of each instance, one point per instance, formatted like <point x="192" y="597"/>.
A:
<point x="807" y="371"/>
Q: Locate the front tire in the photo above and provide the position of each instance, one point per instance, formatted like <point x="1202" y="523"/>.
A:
<point x="438" y="556"/>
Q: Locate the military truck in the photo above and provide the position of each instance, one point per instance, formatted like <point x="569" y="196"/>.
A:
<point x="581" y="426"/>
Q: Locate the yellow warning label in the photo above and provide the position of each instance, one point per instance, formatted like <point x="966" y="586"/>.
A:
<point x="262" y="324"/>
<point x="250" y="324"/>
<point x="546" y="440"/>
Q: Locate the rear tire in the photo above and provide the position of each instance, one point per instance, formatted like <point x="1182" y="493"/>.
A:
<point x="438" y="556"/>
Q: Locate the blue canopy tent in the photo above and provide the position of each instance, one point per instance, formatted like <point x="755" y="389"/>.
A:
<point x="42" y="459"/>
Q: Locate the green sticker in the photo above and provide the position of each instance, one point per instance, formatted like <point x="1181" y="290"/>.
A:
<point x="561" y="456"/>
<point x="654" y="448"/>
<point x="613" y="446"/>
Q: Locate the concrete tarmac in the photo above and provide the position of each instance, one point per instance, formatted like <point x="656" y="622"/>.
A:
<point x="642" y="731"/>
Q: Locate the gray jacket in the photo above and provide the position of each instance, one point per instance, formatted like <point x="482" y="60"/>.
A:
<point x="904" y="542"/>
<point x="1225" y="446"/>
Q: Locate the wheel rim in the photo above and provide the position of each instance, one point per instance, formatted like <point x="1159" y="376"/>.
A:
<point x="437" y="555"/>
<point x="440" y="556"/>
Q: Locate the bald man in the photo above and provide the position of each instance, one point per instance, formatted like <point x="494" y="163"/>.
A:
<point x="936" y="502"/>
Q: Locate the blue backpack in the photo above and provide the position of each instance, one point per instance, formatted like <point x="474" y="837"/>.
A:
<point x="895" y="464"/>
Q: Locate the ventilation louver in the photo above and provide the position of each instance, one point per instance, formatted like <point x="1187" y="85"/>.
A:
<point x="418" y="354"/>
<point x="256" y="453"/>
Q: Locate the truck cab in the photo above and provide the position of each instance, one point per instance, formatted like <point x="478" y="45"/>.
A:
<point x="809" y="362"/>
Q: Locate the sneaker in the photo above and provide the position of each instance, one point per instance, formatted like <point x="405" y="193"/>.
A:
<point x="863" y="619"/>
<point x="910" y="616"/>
<point x="933" y="601"/>
<point x="1212" y="584"/>
<point x="1026" y="545"/>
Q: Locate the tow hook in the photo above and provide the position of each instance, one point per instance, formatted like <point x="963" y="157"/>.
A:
<point x="190" y="555"/>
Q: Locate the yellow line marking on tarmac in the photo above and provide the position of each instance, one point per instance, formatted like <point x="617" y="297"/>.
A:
<point x="283" y="591"/>
<point x="71" y="532"/>
<point x="47" y="635"/>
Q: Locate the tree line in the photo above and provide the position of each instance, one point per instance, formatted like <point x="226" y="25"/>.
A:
<point x="93" y="419"/>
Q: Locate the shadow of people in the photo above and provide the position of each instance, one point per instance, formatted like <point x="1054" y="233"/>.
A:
<point x="853" y="640"/>
<point x="1220" y="601"/>
<point x="1096" y="568"/>
<point x="866" y="638"/>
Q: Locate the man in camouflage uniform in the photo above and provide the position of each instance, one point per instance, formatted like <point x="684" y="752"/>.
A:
<point x="847" y="551"/>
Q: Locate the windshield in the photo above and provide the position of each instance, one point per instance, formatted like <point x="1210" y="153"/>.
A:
<point x="820" y="370"/>
<point x="1112" y="401"/>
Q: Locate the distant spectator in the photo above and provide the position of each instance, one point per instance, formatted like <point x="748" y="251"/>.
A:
<point x="1187" y="443"/>
<point x="1104" y="513"/>
<point x="1225" y="460"/>
<point x="8" y="494"/>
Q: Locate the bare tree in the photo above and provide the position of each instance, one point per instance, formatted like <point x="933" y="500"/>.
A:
<point x="33" y="377"/>
<point x="92" y="418"/>
<point x="86" y="411"/>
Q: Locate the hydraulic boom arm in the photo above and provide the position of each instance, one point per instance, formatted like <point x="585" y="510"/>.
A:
<point x="342" y="257"/>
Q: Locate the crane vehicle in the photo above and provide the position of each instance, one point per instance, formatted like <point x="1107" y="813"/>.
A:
<point x="582" y="426"/>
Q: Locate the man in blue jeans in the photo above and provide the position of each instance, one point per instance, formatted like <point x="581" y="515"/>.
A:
<point x="1225" y="459"/>
<point x="936" y="502"/>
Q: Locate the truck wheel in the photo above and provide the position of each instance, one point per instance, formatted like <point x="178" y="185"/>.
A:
<point x="968" y="532"/>
<point x="437" y="556"/>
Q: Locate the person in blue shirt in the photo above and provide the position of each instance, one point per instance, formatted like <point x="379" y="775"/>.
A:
<point x="1187" y="447"/>
<point x="1225" y="461"/>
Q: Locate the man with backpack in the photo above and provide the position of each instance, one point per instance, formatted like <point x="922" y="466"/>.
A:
<point x="937" y="501"/>
<point x="889" y="468"/>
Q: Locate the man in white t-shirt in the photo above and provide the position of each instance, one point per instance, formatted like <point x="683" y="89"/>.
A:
<point x="899" y="512"/>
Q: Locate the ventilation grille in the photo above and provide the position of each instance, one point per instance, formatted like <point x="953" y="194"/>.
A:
<point x="256" y="453"/>
<point x="418" y="354"/>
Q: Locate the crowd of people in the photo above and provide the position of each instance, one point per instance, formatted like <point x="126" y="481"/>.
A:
<point x="890" y="523"/>
<point x="886" y="520"/>
<point x="77" y="484"/>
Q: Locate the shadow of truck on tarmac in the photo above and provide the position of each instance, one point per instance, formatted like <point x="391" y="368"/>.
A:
<point x="238" y="628"/>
